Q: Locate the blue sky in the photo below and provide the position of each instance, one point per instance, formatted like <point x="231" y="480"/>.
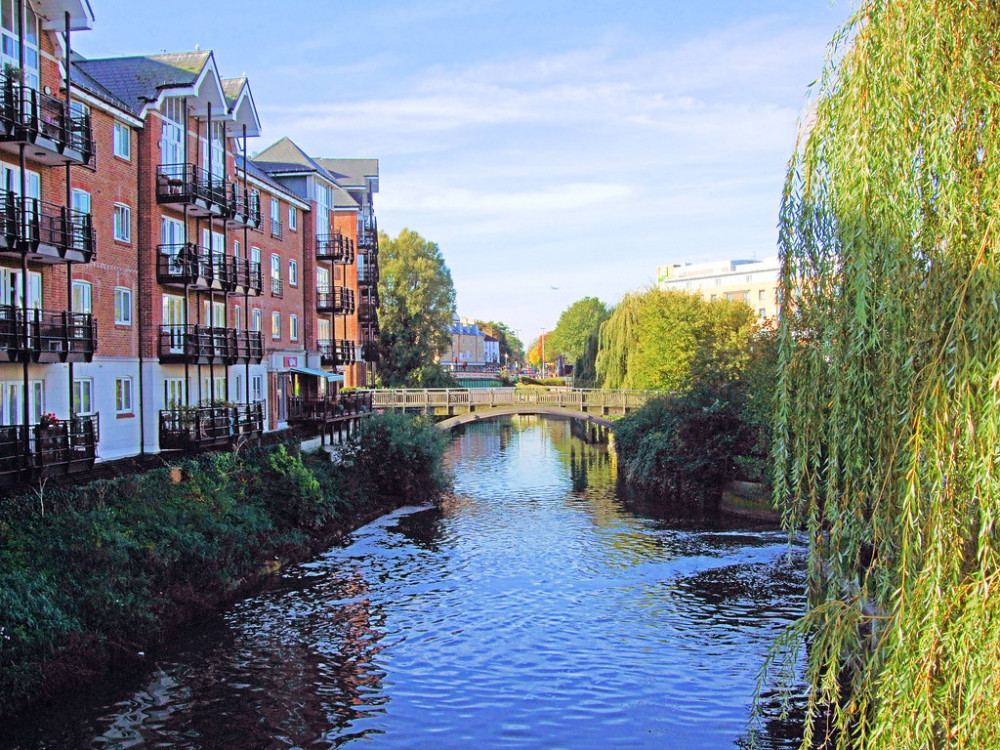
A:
<point x="573" y="144"/>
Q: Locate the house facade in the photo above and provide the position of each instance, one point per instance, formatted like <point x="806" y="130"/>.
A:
<point x="159" y="290"/>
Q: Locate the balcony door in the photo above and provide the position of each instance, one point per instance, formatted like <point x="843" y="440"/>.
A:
<point x="173" y="393"/>
<point x="172" y="135"/>
<point x="173" y="321"/>
<point x="12" y="292"/>
<point x="12" y="402"/>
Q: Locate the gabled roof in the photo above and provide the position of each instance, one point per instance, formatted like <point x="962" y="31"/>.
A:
<point x="261" y="175"/>
<point x="285" y="152"/>
<point x="83" y="80"/>
<point x="343" y="199"/>
<point x="351" y="173"/>
<point x="141" y="82"/>
<point x="81" y="15"/>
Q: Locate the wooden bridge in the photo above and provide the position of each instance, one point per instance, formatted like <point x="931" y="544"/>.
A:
<point x="462" y="406"/>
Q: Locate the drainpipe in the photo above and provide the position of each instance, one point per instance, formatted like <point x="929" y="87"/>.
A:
<point x="139" y="317"/>
<point x="26" y="411"/>
<point x="69" y="202"/>
<point x="246" y="255"/>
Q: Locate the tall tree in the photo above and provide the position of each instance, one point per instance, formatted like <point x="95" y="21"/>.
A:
<point x="576" y="323"/>
<point x="667" y="340"/>
<point x="511" y="348"/>
<point x="416" y="302"/>
<point x="889" y="414"/>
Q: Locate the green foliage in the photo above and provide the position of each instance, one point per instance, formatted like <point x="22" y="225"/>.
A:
<point x="585" y="367"/>
<point x="416" y="301"/>
<point x="576" y="324"/>
<point x="667" y="340"/>
<point x="511" y="348"/>
<point x="889" y="408"/>
<point x="110" y="560"/>
<point x="526" y="380"/>
<point x="394" y="455"/>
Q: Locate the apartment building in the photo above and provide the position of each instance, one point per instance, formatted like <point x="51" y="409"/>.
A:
<point x="750" y="281"/>
<point x="158" y="289"/>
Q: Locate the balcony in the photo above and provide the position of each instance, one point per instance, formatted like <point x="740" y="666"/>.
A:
<point x="335" y="247"/>
<point x="54" y="134"/>
<point x="369" y="342"/>
<point x="66" y="447"/>
<point x="368" y="274"/>
<point x="367" y="312"/>
<point x="330" y="410"/>
<point x="248" y="348"/>
<point x="243" y="206"/>
<point x="247" y="277"/>
<point x="194" y="267"/>
<point x="367" y="240"/>
<point x="333" y="352"/>
<point x="203" y="427"/>
<point x="189" y="185"/>
<point x="277" y="287"/>
<point x="339" y="300"/>
<point x="45" y="232"/>
<point x="46" y="336"/>
<point x="277" y="229"/>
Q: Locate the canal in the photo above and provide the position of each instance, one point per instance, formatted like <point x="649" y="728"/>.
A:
<point x="532" y="609"/>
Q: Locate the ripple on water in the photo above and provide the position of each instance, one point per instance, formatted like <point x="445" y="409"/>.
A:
<point x="530" y="610"/>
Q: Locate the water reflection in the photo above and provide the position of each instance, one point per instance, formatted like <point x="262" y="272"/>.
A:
<point x="531" y="609"/>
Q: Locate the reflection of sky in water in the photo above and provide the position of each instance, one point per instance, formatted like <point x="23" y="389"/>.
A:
<point x="530" y="610"/>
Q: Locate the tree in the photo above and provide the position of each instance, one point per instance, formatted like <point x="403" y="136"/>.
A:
<point x="511" y="348"/>
<point x="888" y="410"/>
<point x="668" y="340"/>
<point x="416" y="302"/>
<point x="576" y="323"/>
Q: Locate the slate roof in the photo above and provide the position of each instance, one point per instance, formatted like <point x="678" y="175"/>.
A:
<point x="232" y="87"/>
<point x="255" y="171"/>
<point x="350" y="173"/>
<point x="138" y="80"/>
<point x="285" y="152"/>
<point x="343" y="199"/>
<point x="82" y="79"/>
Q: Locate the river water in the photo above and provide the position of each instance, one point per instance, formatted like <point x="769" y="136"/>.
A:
<point x="533" y="609"/>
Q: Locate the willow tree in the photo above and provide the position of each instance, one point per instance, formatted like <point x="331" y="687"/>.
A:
<point x="888" y="417"/>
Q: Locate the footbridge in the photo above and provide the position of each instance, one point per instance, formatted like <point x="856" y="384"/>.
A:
<point x="461" y="406"/>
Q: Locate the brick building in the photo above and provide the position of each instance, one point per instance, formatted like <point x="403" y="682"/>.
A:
<point x="158" y="289"/>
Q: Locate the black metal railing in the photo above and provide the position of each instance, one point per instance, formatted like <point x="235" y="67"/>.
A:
<point x="62" y="447"/>
<point x="244" y="205"/>
<point x="248" y="347"/>
<point x="193" y="185"/>
<point x="46" y="335"/>
<point x="277" y="229"/>
<point x="201" y="427"/>
<point x="30" y="116"/>
<point x="368" y="273"/>
<point x="330" y="409"/>
<point x="199" y="344"/>
<point x="337" y="352"/>
<point x="277" y="287"/>
<point x="193" y="265"/>
<point x="247" y="276"/>
<point x="31" y="225"/>
<point x="367" y="240"/>
<point x="338" y="300"/>
<point x="335" y="247"/>
<point x="367" y="312"/>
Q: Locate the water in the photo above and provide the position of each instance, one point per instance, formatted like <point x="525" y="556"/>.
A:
<point x="532" y="610"/>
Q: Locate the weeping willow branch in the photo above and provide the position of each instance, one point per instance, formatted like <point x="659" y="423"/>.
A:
<point x="888" y="415"/>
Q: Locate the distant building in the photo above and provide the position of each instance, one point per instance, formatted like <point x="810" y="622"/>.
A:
<point x="751" y="281"/>
<point x="491" y="348"/>
<point x="467" y="348"/>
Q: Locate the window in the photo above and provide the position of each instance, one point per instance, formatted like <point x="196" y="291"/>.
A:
<point x="257" y="388"/>
<point x="123" y="306"/>
<point x="237" y="317"/>
<point x="9" y="49"/>
<point x="83" y="396"/>
<point x="762" y="295"/>
<point x="123" y="223"/>
<point x="275" y="325"/>
<point x="293" y="327"/>
<point x="123" y="141"/>
<point x="293" y="219"/>
<point x="123" y="396"/>
<point x="172" y="134"/>
<point x="173" y="392"/>
<point x="293" y="273"/>
<point x="256" y="319"/>
<point x="762" y="312"/>
<point x="236" y="248"/>
<point x="275" y="211"/>
<point x="275" y="266"/>
<point x="82" y="297"/>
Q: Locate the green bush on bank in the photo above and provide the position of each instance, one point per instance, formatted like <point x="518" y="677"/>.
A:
<point x="108" y="565"/>
<point x="525" y="380"/>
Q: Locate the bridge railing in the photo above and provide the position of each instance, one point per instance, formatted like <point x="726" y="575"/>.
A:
<point x="578" y="398"/>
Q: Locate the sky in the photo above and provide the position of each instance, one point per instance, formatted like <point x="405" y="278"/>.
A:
<point x="553" y="149"/>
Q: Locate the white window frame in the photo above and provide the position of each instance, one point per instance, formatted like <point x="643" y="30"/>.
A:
<point x="293" y="218"/>
<point x="123" y="306"/>
<point x="123" y="395"/>
<point x="82" y="296"/>
<point x="256" y="320"/>
<point x="293" y="327"/>
<point x="293" y="273"/>
<point x="123" y="222"/>
<point x="256" y="387"/>
<point x="275" y="324"/>
<point x="122" y="140"/>
<point x="172" y="131"/>
<point x="83" y="396"/>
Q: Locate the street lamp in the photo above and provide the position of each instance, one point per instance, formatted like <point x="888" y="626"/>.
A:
<point x="543" y="353"/>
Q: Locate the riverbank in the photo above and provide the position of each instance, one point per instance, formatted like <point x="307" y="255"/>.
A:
<point x="93" y="577"/>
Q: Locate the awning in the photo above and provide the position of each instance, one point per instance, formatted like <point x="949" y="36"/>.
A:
<point x="334" y="377"/>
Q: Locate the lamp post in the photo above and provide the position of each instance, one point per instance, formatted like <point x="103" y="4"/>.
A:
<point x="543" y="353"/>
